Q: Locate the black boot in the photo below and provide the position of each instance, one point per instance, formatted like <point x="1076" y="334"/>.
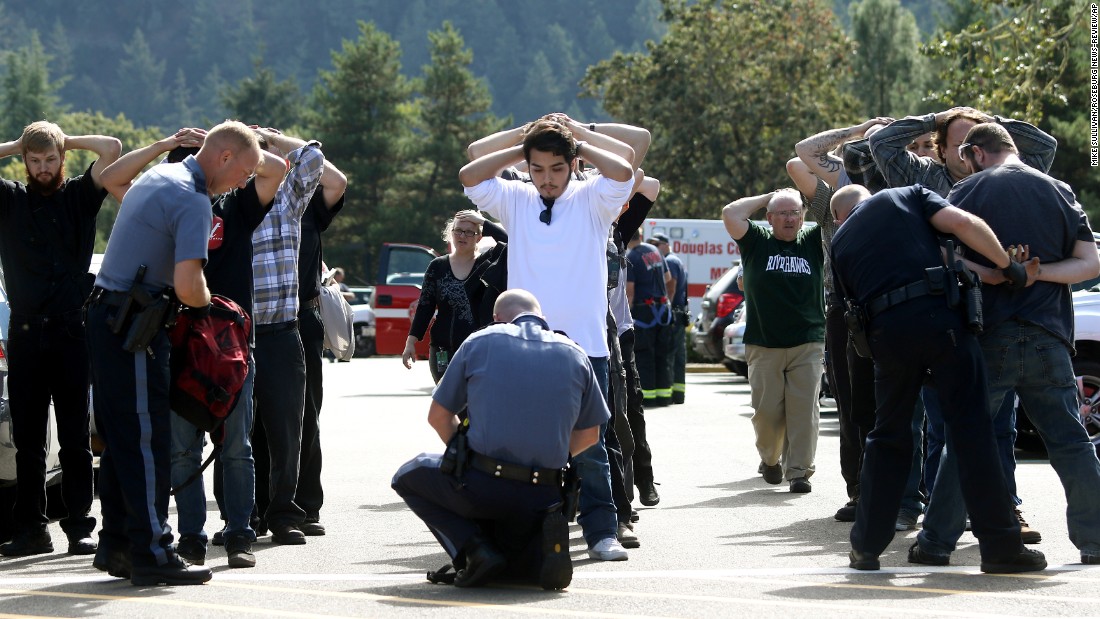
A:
<point x="483" y="561"/>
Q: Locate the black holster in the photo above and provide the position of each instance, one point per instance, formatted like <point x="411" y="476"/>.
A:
<point x="456" y="456"/>
<point x="857" y="330"/>
<point x="142" y="314"/>
<point x="571" y="492"/>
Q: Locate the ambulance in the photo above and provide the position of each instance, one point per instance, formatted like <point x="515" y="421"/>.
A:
<point x="703" y="245"/>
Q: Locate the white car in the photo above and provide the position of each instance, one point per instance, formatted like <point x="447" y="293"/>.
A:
<point x="363" y="319"/>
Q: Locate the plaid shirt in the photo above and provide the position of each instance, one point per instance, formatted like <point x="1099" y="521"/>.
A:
<point x="275" y="242"/>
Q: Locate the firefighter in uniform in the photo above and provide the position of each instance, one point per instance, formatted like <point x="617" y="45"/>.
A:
<point x="681" y="317"/>
<point x="647" y="284"/>
<point x="533" y="401"/>
<point x="161" y="233"/>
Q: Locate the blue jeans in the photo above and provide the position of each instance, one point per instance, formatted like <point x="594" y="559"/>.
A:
<point x="598" y="517"/>
<point x="238" y="469"/>
<point x="1037" y="365"/>
<point x="1004" y="428"/>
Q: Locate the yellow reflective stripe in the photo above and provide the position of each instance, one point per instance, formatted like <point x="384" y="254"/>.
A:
<point x="649" y="394"/>
<point x="664" y="393"/>
<point x="679" y="387"/>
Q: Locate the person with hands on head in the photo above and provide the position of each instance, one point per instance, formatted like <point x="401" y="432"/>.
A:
<point x="47" y="235"/>
<point x="119" y="177"/>
<point x="557" y="228"/>
<point x="817" y="153"/>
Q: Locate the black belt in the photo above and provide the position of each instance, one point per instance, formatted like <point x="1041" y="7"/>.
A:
<point x="898" y="296"/>
<point x="277" y="327"/>
<point x="107" y="297"/>
<point x="312" y="303"/>
<point x="515" y="472"/>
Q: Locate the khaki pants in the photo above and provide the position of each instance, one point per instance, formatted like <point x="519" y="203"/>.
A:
<point x="785" y="384"/>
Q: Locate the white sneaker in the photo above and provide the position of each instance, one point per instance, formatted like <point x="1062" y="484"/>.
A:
<point x="608" y="549"/>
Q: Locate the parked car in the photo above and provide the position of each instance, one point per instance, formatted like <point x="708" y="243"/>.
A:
<point x="364" y="321"/>
<point x="1086" y="366"/>
<point x="720" y="301"/>
<point x="734" y="344"/>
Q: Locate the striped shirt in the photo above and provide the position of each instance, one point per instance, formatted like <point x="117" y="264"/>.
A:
<point x="275" y="242"/>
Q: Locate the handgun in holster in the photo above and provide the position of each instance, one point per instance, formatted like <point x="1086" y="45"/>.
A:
<point x="457" y="454"/>
<point x="571" y="491"/>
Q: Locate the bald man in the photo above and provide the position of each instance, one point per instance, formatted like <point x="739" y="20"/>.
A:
<point x="533" y="401"/>
<point x="887" y="262"/>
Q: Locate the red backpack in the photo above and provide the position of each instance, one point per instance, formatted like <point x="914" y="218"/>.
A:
<point x="209" y="364"/>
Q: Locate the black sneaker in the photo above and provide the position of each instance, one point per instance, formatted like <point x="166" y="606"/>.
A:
<point x="27" y="544"/>
<point x="82" y="544"/>
<point x="801" y="485"/>
<point x="917" y="555"/>
<point x="848" y="512"/>
<point x="312" y="528"/>
<point x="239" y="550"/>
<point x="219" y="537"/>
<point x="627" y="537"/>
<point x="192" y="548"/>
<point x="175" y="572"/>
<point x="1027" y="560"/>
<point x="557" y="566"/>
<point x="647" y="493"/>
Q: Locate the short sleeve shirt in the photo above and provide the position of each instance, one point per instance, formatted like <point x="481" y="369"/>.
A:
<point x="46" y="243"/>
<point x="526" y="389"/>
<point x="676" y="269"/>
<point x="1024" y="206"/>
<point x="164" y="219"/>
<point x="784" y="288"/>
<point x="647" y="272"/>
<point x="229" y="269"/>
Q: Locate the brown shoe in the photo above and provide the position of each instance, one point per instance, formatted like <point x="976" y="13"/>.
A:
<point x="1027" y="534"/>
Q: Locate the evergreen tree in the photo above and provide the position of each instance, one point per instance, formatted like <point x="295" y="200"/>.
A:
<point x="263" y="100"/>
<point x="451" y="112"/>
<point x="28" y="95"/>
<point x="361" y="119"/>
<point x="890" y="73"/>
<point x="143" y="100"/>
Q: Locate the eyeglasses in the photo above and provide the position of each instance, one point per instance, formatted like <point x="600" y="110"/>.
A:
<point x="965" y="149"/>
<point x="792" y="214"/>
<point x="465" y="233"/>
<point x="544" y="216"/>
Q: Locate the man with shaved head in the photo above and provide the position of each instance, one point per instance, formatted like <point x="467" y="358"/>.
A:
<point x="533" y="401"/>
<point x="785" y="334"/>
<point x="888" y="266"/>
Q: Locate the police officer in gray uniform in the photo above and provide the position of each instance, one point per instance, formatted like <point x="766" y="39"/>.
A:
<point x="161" y="231"/>
<point x="552" y="408"/>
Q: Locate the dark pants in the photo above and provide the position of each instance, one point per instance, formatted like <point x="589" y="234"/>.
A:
<point x="642" y="458"/>
<point x="310" y="496"/>
<point x="652" y="347"/>
<point x="132" y="417"/>
<point x="836" y="364"/>
<point x="277" y="432"/>
<point x="678" y="357"/>
<point x="908" y="340"/>
<point x="452" y="509"/>
<point x="48" y="358"/>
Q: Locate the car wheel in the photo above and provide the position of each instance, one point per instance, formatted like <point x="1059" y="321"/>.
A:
<point x="364" y="345"/>
<point x="1089" y="371"/>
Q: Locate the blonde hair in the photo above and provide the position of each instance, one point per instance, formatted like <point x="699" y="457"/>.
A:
<point x="233" y="135"/>
<point x="469" y="215"/>
<point x="40" y="137"/>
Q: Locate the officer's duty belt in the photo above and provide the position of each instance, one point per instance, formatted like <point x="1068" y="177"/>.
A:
<point x="107" y="297"/>
<point x="897" y="296"/>
<point x="515" y="472"/>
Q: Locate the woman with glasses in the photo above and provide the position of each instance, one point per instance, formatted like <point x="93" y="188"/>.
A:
<point x="452" y="287"/>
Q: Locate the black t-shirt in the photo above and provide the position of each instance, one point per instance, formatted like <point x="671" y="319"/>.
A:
<point x="887" y="242"/>
<point x="46" y="244"/>
<point x="1024" y="206"/>
<point x="316" y="220"/>
<point x="228" y="268"/>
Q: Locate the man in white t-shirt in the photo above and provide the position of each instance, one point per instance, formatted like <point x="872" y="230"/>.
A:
<point x="557" y="238"/>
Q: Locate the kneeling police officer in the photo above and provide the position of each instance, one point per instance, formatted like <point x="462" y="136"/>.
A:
<point x="533" y="400"/>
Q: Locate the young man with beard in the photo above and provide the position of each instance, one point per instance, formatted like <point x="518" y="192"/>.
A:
<point x="557" y="229"/>
<point x="47" y="233"/>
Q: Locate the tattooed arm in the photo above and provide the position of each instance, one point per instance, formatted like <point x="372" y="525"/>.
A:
<point x="816" y="150"/>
